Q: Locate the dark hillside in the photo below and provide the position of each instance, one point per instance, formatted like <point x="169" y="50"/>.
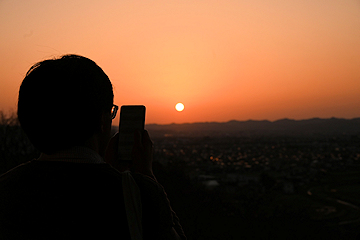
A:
<point x="283" y="127"/>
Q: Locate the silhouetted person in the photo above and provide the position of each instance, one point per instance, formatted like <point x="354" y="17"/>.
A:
<point x="76" y="189"/>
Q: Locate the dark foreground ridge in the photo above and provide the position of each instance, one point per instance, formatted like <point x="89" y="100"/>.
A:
<point x="283" y="127"/>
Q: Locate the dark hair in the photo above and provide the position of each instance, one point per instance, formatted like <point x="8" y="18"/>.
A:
<point x="61" y="102"/>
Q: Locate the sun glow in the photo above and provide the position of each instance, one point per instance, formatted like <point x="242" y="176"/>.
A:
<point x="179" y="107"/>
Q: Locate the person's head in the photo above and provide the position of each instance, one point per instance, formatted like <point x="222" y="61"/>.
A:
<point x="64" y="102"/>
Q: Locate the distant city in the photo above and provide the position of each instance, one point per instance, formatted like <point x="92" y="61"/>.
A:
<point x="315" y="161"/>
<point x="250" y="179"/>
<point x="283" y="127"/>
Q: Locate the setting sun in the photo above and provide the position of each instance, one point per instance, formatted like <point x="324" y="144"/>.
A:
<point x="179" y="107"/>
<point x="232" y="60"/>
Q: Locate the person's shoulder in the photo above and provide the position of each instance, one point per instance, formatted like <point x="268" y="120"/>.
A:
<point x="58" y="170"/>
<point x="146" y="182"/>
<point x="152" y="192"/>
<point x="15" y="172"/>
<point x="101" y="172"/>
<point x="18" y="168"/>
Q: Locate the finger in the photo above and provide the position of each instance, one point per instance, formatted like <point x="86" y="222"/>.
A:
<point x="137" y="140"/>
<point x="146" y="140"/>
<point x="137" y="148"/>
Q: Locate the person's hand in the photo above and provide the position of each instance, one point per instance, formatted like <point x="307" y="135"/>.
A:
<point x="111" y="155"/>
<point x="142" y="154"/>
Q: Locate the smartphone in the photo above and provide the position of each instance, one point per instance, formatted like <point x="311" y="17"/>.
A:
<point x="132" y="118"/>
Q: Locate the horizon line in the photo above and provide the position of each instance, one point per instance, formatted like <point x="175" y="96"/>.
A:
<point x="249" y="120"/>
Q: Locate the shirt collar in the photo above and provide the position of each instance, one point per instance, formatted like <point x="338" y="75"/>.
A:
<point x="74" y="154"/>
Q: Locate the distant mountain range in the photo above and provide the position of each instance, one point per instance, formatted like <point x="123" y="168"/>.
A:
<point x="283" y="127"/>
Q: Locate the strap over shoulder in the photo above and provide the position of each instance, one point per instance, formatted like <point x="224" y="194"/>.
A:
<point x="132" y="200"/>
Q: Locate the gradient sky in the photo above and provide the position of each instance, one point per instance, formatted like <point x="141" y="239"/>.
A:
<point x="228" y="59"/>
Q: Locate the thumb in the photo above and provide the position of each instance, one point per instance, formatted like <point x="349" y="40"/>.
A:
<point x="137" y="148"/>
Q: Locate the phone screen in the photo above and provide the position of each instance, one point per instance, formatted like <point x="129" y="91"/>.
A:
<point x="132" y="118"/>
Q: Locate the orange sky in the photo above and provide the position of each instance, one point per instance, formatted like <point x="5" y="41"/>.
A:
<point x="229" y="59"/>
